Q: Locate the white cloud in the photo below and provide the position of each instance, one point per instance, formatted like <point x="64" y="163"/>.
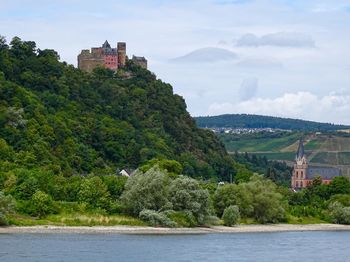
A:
<point x="281" y="39"/>
<point x="333" y="108"/>
<point x="207" y="55"/>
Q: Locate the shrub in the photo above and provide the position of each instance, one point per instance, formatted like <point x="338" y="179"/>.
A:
<point x="181" y="218"/>
<point x="185" y="194"/>
<point x="3" y="220"/>
<point x="340" y="214"/>
<point x="146" y="191"/>
<point x="231" y="216"/>
<point x="155" y="218"/>
<point x="259" y="199"/>
<point x="95" y="193"/>
<point x="7" y="205"/>
<point x="41" y="204"/>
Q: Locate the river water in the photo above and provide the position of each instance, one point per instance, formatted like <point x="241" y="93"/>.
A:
<point x="286" y="246"/>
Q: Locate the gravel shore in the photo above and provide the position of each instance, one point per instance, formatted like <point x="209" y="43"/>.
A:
<point x="160" y="230"/>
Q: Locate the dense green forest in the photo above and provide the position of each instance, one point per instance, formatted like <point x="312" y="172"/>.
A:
<point x="257" y="121"/>
<point x="58" y="118"/>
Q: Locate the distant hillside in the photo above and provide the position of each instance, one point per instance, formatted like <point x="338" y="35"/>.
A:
<point x="257" y="121"/>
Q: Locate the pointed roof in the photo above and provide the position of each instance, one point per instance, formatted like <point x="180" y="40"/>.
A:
<point x="301" y="151"/>
<point x="106" y="45"/>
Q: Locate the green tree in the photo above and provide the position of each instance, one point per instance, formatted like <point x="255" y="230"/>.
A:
<point x="231" y="216"/>
<point x="185" y="194"/>
<point x="339" y="213"/>
<point x="95" y="193"/>
<point x="41" y="204"/>
<point x="268" y="204"/>
<point x="146" y="191"/>
<point x="258" y="198"/>
<point x="339" y="185"/>
<point x="7" y="205"/>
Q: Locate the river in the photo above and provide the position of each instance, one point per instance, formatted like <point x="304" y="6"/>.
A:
<point x="286" y="246"/>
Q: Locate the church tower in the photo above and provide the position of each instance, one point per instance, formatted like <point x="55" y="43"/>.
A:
<point x="300" y="168"/>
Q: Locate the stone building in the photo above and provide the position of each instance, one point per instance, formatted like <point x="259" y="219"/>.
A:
<point x="105" y="56"/>
<point x="140" y="60"/>
<point x="303" y="173"/>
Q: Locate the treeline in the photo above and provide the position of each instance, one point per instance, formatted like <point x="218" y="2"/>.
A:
<point x="258" y="121"/>
<point x="278" y="172"/>
<point x="159" y="195"/>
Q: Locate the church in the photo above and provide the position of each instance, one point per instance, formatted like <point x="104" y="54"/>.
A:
<point x="303" y="173"/>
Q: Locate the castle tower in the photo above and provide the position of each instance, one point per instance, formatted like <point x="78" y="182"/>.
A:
<point x="300" y="168"/>
<point x="121" y="49"/>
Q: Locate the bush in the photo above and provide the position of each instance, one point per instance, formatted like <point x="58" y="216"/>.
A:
<point x="231" y="216"/>
<point x="95" y="193"/>
<point x="155" y="218"/>
<point x="7" y="205"/>
<point x="146" y="191"/>
<point x="185" y="194"/>
<point x="181" y="218"/>
<point x="340" y="214"/>
<point x="259" y="199"/>
<point x="41" y="204"/>
<point x="3" y="220"/>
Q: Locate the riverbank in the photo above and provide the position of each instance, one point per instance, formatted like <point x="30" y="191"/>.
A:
<point x="161" y="230"/>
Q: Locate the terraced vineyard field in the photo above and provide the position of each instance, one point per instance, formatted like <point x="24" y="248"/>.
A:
<point x="324" y="149"/>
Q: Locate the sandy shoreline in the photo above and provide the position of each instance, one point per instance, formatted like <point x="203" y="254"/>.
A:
<point x="157" y="230"/>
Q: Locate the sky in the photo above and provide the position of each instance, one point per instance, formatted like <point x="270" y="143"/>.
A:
<point x="270" y="57"/>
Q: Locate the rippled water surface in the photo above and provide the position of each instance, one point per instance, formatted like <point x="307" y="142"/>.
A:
<point x="291" y="246"/>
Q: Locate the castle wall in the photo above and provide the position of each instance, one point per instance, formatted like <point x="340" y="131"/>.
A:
<point x="121" y="50"/>
<point x="111" y="62"/>
<point x="89" y="62"/>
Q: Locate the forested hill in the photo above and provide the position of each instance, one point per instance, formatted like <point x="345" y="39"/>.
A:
<point x="257" y="121"/>
<point x="55" y="117"/>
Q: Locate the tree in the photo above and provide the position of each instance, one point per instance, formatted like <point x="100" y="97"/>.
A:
<point x="7" y="205"/>
<point x="339" y="185"/>
<point x="339" y="213"/>
<point x="231" y="216"/>
<point x="95" y="193"/>
<point x="41" y="204"/>
<point x="232" y="194"/>
<point x="224" y="197"/>
<point x="185" y="194"/>
<point x="258" y="198"/>
<point x="268" y="205"/>
<point x="146" y="191"/>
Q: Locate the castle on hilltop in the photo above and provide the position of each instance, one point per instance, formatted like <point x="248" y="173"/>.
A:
<point x="106" y="56"/>
<point x="303" y="173"/>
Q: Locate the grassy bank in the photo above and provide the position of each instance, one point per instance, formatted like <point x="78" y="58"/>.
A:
<point x="75" y="219"/>
<point x="79" y="219"/>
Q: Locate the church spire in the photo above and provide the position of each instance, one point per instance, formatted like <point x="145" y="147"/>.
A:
<point x="300" y="153"/>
